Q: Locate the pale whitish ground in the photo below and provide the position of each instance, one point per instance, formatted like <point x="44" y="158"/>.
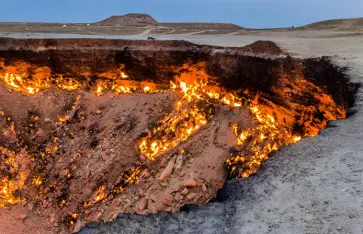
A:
<point x="315" y="186"/>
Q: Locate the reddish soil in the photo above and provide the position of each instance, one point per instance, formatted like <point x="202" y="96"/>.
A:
<point x="264" y="47"/>
<point x="103" y="148"/>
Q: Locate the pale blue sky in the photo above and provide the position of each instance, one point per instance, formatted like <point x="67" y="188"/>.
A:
<point x="247" y="13"/>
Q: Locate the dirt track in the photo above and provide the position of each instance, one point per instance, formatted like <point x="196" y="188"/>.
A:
<point x="314" y="186"/>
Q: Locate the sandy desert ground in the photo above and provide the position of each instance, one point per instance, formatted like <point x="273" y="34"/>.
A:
<point x="314" y="186"/>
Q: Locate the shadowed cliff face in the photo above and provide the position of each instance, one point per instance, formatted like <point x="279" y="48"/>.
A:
<point x="148" y="126"/>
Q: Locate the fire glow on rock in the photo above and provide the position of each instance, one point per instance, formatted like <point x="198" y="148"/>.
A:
<point x="199" y="96"/>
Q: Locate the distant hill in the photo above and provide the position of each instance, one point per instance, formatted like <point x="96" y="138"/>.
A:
<point x="339" y="24"/>
<point x="130" y="20"/>
<point x="147" y="20"/>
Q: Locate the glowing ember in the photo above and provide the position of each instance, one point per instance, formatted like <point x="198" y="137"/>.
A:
<point x="124" y="76"/>
<point x="121" y="89"/>
<point x="37" y="181"/>
<point x="69" y="84"/>
<point x="100" y="88"/>
<point x="99" y="195"/>
<point x="146" y="89"/>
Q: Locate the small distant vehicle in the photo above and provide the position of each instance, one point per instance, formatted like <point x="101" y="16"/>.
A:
<point x="151" y="38"/>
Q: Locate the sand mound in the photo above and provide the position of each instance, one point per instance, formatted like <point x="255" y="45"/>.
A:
<point x="130" y="20"/>
<point x="264" y="47"/>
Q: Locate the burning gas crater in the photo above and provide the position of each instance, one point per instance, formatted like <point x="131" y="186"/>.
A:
<point x="30" y="175"/>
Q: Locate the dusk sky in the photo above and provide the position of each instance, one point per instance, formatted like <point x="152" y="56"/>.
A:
<point x="247" y="13"/>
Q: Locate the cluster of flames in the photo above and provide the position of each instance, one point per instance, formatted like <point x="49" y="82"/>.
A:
<point x="14" y="180"/>
<point x="199" y="95"/>
<point x="258" y="142"/>
<point x="195" y="109"/>
<point x="24" y="77"/>
<point x="190" y="113"/>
